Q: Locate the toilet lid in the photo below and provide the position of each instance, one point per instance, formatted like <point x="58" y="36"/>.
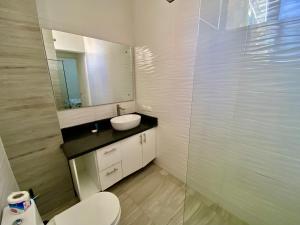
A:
<point x="100" y="209"/>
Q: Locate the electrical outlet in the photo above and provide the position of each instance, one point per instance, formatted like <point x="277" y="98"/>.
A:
<point x="147" y="108"/>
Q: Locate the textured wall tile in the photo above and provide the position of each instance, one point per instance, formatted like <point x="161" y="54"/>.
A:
<point x="245" y="126"/>
<point x="165" y="37"/>
<point x="69" y="118"/>
<point x="28" y="121"/>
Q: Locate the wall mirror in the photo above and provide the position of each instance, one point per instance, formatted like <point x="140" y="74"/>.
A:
<point x="88" y="72"/>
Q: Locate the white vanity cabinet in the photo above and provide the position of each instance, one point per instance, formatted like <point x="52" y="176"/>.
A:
<point x="137" y="151"/>
<point x="109" y="163"/>
<point x="100" y="169"/>
<point x="85" y="176"/>
<point x="108" y="156"/>
<point x="149" y="146"/>
<point x="132" y="156"/>
<point x="110" y="176"/>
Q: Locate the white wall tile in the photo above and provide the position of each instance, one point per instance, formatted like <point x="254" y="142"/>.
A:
<point x="107" y="20"/>
<point x="165" y="39"/>
<point x="245" y="125"/>
<point x="68" y="118"/>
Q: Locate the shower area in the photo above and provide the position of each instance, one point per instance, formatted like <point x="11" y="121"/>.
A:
<point x="244" y="150"/>
<point x="65" y="82"/>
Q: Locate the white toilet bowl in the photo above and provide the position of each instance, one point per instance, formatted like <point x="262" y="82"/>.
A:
<point x="100" y="209"/>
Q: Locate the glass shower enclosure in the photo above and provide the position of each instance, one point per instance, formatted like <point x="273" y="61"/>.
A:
<point x="65" y="83"/>
<point x="244" y="150"/>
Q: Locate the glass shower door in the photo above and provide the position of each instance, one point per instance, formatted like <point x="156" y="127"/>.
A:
<point x="244" y="155"/>
<point x="59" y="84"/>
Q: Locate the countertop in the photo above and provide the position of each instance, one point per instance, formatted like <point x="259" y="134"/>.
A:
<point x="79" y="140"/>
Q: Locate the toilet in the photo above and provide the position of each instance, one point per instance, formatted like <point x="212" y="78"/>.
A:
<point x="100" y="209"/>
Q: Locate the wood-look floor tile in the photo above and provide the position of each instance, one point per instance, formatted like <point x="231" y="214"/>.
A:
<point x="131" y="212"/>
<point x="153" y="197"/>
<point x="165" y="201"/>
<point x="150" y="197"/>
<point x="178" y="218"/>
<point x="201" y="211"/>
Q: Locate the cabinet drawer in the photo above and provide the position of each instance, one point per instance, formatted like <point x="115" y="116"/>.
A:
<point x="111" y="176"/>
<point x="108" y="156"/>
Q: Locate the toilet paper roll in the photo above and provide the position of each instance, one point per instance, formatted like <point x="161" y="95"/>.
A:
<point x="18" y="202"/>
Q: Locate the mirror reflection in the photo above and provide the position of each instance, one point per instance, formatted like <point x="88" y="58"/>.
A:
<point x="86" y="71"/>
<point x="252" y="12"/>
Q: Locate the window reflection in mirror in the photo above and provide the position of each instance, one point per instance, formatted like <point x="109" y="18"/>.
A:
<point x="252" y="12"/>
<point x="86" y="71"/>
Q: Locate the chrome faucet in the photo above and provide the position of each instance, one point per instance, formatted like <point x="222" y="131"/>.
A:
<point x="119" y="108"/>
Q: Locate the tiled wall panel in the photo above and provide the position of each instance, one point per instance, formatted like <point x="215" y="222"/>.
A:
<point x="245" y="126"/>
<point x="69" y="118"/>
<point x="28" y="121"/>
<point x="165" y="36"/>
<point x="8" y="182"/>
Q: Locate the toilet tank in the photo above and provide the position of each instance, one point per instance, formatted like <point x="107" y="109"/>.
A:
<point x="30" y="217"/>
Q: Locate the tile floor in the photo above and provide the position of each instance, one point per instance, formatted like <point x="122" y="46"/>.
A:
<point x="201" y="211"/>
<point x="151" y="196"/>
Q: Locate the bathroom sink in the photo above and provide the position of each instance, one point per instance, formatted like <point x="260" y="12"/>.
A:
<point x="125" y="122"/>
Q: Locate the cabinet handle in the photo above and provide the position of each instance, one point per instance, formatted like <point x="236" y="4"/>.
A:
<point x="110" y="151"/>
<point x="141" y="139"/>
<point x="145" y="138"/>
<point x="112" y="172"/>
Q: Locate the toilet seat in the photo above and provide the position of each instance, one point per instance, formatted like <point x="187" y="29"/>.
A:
<point x="100" y="209"/>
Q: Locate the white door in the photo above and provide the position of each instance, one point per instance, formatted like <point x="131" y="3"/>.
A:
<point x="149" y="146"/>
<point x="131" y="150"/>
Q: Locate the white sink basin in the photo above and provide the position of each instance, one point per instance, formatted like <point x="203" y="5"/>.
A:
<point x="125" y="122"/>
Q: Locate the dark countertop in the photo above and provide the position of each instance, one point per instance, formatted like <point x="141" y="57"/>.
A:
<point x="79" y="140"/>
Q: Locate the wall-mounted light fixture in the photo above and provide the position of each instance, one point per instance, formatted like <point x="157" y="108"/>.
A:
<point x="170" y="1"/>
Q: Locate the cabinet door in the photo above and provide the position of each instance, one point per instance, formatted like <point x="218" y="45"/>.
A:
<point x="131" y="151"/>
<point x="149" y="146"/>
